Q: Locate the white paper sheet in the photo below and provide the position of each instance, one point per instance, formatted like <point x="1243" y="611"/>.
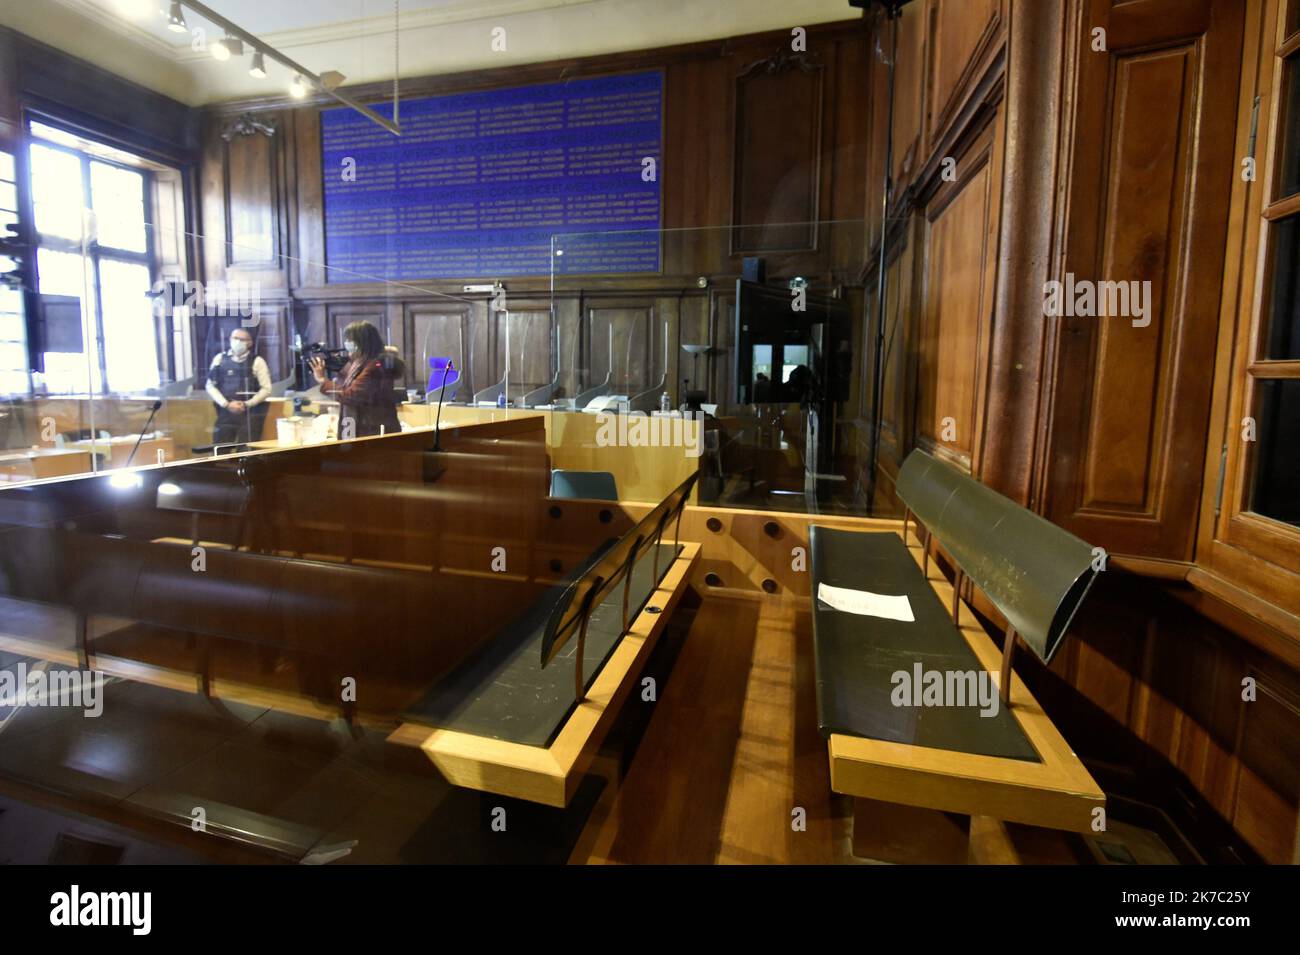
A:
<point x="865" y="603"/>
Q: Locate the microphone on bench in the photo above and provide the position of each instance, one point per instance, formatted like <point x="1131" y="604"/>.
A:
<point x="442" y="394"/>
<point x="153" y="411"/>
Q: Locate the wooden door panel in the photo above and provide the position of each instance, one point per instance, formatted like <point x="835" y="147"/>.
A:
<point x="1149" y="203"/>
<point x="637" y="344"/>
<point x="437" y="333"/>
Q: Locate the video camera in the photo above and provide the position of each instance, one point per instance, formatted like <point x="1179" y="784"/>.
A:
<point x="335" y="359"/>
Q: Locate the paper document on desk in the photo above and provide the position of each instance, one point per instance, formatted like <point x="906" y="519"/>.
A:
<point x="865" y="603"/>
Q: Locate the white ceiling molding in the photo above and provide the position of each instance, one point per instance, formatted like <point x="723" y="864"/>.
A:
<point x="411" y="22"/>
<point x="450" y="36"/>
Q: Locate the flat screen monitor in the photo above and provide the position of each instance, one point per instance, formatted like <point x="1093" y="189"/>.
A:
<point x="787" y="354"/>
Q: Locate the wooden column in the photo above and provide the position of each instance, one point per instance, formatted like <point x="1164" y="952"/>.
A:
<point x="1036" y="45"/>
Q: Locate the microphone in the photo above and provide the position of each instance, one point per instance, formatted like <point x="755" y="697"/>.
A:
<point x="442" y="393"/>
<point x="152" y="411"/>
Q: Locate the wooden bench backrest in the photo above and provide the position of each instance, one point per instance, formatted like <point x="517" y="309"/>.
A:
<point x="1034" y="572"/>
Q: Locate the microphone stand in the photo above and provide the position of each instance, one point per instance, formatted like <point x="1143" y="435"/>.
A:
<point x="442" y="394"/>
<point x="153" y="411"/>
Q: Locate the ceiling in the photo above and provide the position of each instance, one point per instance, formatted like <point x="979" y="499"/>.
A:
<point x="356" y="37"/>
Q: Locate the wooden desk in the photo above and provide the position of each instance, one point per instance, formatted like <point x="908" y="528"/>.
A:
<point x="641" y="473"/>
<point x="117" y="450"/>
<point x="38" y="463"/>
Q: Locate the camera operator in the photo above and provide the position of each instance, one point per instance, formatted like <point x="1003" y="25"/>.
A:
<point x="365" y="386"/>
<point x="231" y="379"/>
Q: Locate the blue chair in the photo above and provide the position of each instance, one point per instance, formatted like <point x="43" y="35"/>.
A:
<point x="588" y="485"/>
<point x="440" y="376"/>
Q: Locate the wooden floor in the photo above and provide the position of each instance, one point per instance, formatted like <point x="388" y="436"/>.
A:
<point x="731" y="751"/>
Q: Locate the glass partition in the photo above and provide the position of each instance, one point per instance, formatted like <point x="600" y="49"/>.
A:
<point x="749" y="356"/>
<point x="760" y="372"/>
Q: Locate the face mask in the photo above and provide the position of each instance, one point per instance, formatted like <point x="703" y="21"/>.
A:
<point x="350" y="347"/>
<point x="238" y="346"/>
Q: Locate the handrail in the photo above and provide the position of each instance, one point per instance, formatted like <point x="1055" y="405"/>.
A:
<point x="606" y="571"/>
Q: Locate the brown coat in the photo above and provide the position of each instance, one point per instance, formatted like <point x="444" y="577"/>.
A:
<point x="364" y="390"/>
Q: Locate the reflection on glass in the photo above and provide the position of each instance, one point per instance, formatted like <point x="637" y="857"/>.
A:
<point x="1289" y="120"/>
<point x="1283" y="314"/>
<point x="62" y="285"/>
<point x="130" y="356"/>
<point x="1277" y="457"/>
<point x="117" y="196"/>
<point x="13" y="343"/>
<point x="56" y="192"/>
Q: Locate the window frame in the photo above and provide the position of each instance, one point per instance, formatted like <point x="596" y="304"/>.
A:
<point x="94" y="250"/>
<point x="1258" y="554"/>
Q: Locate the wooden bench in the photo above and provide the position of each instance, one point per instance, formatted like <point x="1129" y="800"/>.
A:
<point x="508" y="721"/>
<point x="898" y="736"/>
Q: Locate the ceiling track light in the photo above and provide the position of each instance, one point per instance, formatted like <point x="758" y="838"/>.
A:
<point x="227" y="47"/>
<point x="176" y="19"/>
<point x="304" y="80"/>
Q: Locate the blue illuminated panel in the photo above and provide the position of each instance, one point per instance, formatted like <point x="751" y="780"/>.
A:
<point x="478" y="183"/>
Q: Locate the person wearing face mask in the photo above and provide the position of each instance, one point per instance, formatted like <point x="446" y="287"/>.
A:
<point x="366" y="386"/>
<point x="239" y="383"/>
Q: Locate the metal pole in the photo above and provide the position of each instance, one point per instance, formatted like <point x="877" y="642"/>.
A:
<point x="878" y="379"/>
<point x="259" y="46"/>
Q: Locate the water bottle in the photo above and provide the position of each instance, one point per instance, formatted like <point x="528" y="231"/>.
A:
<point x="665" y="403"/>
<point x="501" y="400"/>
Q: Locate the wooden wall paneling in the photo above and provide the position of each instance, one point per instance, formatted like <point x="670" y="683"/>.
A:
<point x="778" y="153"/>
<point x="953" y="333"/>
<point x="1131" y="403"/>
<point x="274" y="333"/>
<point x="720" y="362"/>
<point x="846" y="157"/>
<point x="668" y="309"/>
<point x="1040" y="52"/>
<point x="693" y="327"/>
<point x="877" y="129"/>
<point x="339" y="315"/>
<point x="698" y="116"/>
<point x="1269" y="788"/>
<point x="310" y="232"/>
<point x="252" y="153"/>
<point x="901" y="321"/>
<point x="637" y="333"/>
<point x="962" y="35"/>
<point x="910" y="92"/>
<point x="532" y="344"/>
<point x="436" y="330"/>
<point x="486" y="362"/>
<point x="100" y="103"/>
<point x="568" y="317"/>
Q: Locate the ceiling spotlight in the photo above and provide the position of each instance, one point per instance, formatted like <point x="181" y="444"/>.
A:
<point x="176" y="19"/>
<point x="299" y="88"/>
<point x="258" y="69"/>
<point x="225" y="48"/>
